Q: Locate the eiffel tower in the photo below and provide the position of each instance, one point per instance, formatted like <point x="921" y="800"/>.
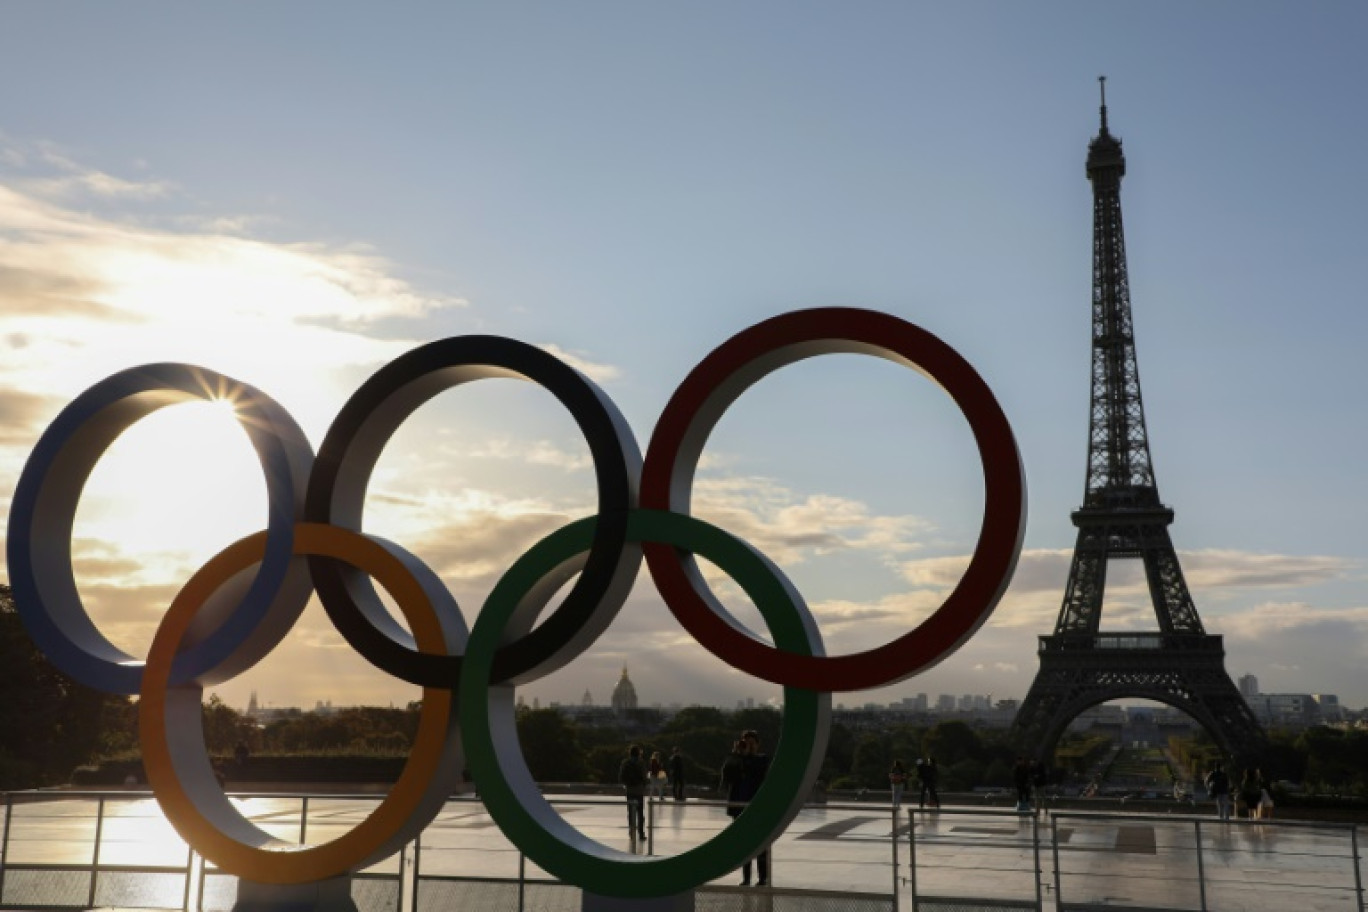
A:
<point x="1122" y="516"/>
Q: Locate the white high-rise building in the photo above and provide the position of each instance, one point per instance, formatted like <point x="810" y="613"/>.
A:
<point x="1249" y="686"/>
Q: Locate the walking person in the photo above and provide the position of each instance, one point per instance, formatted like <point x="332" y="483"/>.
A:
<point x="748" y="766"/>
<point x="677" y="774"/>
<point x="1249" y="793"/>
<point x="1265" y="796"/>
<point x="926" y="780"/>
<point x="897" y="781"/>
<point x="655" y="776"/>
<point x="1039" y="779"/>
<point x="632" y="775"/>
<point x="1218" y="787"/>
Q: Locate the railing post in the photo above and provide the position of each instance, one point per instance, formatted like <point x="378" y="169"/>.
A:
<point x="95" y="857"/>
<point x="893" y="841"/>
<point x="189" y="878"/>
<point x="304" y="820"/>
<point x="1201" y="869"/>
<point x="417" y="870"/>
<point x="1359" y="878"/>
<point x="1035" y="852"/>
<point x="522" y="882"/>
<point x="1054" y="845"/>
<point x="650" y="825"/>
<point x="4" y="845"/>
<point x="912" y="857"/>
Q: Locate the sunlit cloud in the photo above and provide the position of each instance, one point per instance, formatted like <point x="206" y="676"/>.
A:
<point x="1227" y="569"/>
<point x="1277" y="620"/>
<point x="69" y="179"/>
<point x="790" y="527"/>
<point x="85" y="297"/>
<point x="536" y="452"/>
<point x="96" y="183"/>
<point x="599" y="373"/>
<point x="20" y="412"/>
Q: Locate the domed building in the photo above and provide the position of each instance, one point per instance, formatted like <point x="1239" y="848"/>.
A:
<point x="624" y="694"/>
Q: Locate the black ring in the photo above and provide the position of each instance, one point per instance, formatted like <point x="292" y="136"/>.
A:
<point x="342" y="469"/>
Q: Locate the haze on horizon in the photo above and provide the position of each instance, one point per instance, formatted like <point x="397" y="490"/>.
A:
<point x="628" y="187"/>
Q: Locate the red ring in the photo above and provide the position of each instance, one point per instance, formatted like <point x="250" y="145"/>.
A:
<point x="712" y="386"/>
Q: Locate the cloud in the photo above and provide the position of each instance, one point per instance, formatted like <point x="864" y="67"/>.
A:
<point x="599" y="373"/>
<point x="1278" y="620"/>
<point x="72" y="179"/>
<point x="21" y="413"/>
<point x="96" y="183"/>
<point x="1227" y="569"/>
<point x="790" y="527"/>
<point x="85" y="297"/>
<point x="535" y="452"/>
<point x="43" y="292"/>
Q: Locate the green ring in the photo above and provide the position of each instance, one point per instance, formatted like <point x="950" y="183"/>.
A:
<point x="515" y="803"/>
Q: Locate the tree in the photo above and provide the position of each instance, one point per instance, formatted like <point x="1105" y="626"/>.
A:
<point x="840" y="753"/>
<point x="49" y="724"/>
<point x="870" y="767"/>
<point x="951" y="742"/>
<point x="694" y="717"/>
<point x="763" y="720"/>
<point x="551" y="746"/>
<point x="224" y="726"/>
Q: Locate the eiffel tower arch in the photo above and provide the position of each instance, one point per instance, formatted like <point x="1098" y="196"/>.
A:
<point x="1122" y="517"/>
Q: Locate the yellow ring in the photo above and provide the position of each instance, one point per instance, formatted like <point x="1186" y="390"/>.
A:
<point x="178" y="768"/>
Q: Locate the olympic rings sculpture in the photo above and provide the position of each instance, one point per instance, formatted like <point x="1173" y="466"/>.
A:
<point x="241" y="604"/>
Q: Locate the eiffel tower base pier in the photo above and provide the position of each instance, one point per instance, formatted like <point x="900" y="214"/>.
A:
<point x="1185" y="671"/>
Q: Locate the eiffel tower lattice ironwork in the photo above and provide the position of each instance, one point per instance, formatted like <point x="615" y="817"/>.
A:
<point x="1122" y="517"/>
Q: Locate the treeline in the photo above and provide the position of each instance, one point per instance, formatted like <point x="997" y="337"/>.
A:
<point x="559" y="750"/>
<point x="49" y="724"/>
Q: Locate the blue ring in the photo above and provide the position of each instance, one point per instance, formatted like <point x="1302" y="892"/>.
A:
<point x="44" y="510"/>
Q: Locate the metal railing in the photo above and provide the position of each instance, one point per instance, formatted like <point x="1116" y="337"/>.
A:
<point x="64" y="850"/>
<point x="1196" y="864"/>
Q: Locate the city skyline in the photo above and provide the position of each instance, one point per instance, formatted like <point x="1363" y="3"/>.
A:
<point x="628" y="188"/>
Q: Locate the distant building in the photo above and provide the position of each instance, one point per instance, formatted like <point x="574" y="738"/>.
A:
<point x="1103" y="715"/>
<point x="253" y="708"/>
<point x="587" y="699"/>
<point x="945" y="703"/>
<point x="1249" y="686"/>
<point x="1286" y="710"/>
<point x="624" y="694"/>
<point x="1329" y="705"/>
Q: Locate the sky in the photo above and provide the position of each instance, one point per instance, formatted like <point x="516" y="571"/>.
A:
<point x="295" y="195"/>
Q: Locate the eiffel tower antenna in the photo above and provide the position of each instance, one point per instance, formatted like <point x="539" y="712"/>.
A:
<point x="1102" y="84"/>
<point x="1122" y="517"/>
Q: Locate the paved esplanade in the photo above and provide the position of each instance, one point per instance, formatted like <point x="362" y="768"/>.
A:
<point x="1114" y="860"/>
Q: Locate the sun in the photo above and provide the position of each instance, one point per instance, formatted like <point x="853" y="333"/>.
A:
<point x="173" y="490"/>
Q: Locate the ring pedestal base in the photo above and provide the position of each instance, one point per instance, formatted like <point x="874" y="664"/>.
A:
<point x="331" y="895"/>
<point x="680" y="902"/>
